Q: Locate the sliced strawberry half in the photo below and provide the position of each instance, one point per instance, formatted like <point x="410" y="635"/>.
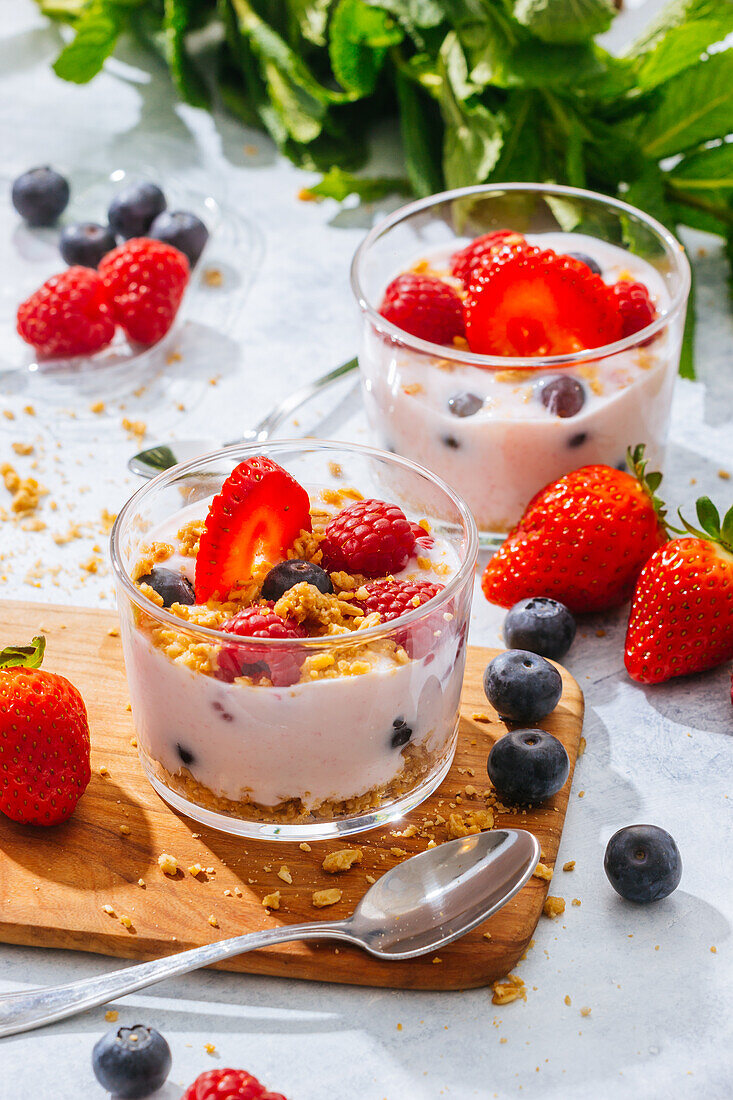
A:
<point x="529" y="302"/>
<point x="260" y="509"/>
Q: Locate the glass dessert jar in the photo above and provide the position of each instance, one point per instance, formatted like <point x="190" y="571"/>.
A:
<point x="485" y="423"/>
<point x="348" y="724"/>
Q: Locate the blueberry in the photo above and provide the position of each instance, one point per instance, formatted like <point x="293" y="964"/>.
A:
<point x="171" y="585"/>
<point x="451" y="441"/>
<point x="401" y="733"/>
<point x="562" y="395"/>
<point x="288" y="573"/>
<point x="86" y="243"/>
<point x="134" y="208"/>
<point x="528" y="766"/>
<point x="187" y="757"/>
<point x="184" y="231"/>
<point x="578" y="439"/>
<point x="40" y="195"/>
<point x="643" y="863"/>
<point x="132" y="1061"/>
<point x="522" y="686"/>
<point x="464" y="404"/>
<point x="540" y="625"/>
<point x="587" y="260"/>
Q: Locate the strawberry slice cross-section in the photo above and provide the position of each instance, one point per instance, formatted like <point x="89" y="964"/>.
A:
<point x="260" y="510"/>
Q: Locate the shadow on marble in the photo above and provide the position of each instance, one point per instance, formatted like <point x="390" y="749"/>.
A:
<point x="679" y="700"/>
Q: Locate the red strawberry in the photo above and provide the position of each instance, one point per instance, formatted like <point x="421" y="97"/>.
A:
<point x="682" y="615"/>
<point x="228" y="1084"/>
<point x="425" y="307"/>
<point x="281" y="664"/>
<point x="582" y="540"/>
<point x="369" y="537"/>
<point x="260" y="509"/>
<point x="463" y="263"/>
<point x="67" y="316"/>
<point x="529" y="302"/>
<point x="144" y="281"/>
<point x="44" y="739"/>
<point x="634" y="305"/>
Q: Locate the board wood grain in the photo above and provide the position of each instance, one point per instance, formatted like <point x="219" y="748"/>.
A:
<point x="55" y="882"/>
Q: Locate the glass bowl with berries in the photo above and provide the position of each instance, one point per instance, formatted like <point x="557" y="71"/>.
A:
<point x="514" y="332"/>
<point x="294" y="618"/>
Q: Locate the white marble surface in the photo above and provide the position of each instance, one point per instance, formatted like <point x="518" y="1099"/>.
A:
<point x="660" y="998"/>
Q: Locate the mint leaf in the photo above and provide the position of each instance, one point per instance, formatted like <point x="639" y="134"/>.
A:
<point x="695" y="107"/>
<point x="422" y="135"/>
<point x="337" y="184"/>
<point x="473" y="134"/>
<point x="24" y="656"/>
<point x="311" y="17"/>
<point x="702" y="183"/>
<point x="176" y="21"/>
<point x="564" y="21"/>
<point x="687" y="353"/>
<point x="358" y="41"/>
<point x="681" y="48"/>
<point x="676" y="14"/>
<point x="414" y="14"/>
<point x="96" y="36"/>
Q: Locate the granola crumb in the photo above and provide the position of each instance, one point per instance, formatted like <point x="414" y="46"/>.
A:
<point x="209" y="1048"/>
<point x="22" y="448"/>
<point x="285" y="875"/>
<point x="553" y="906"/>
<point x="212" y="920"/>
<point x="581" y="746"/>
<point x="714" y="950"/>
<point x="272" y="901"/>
<point x="480" y="716"/>
<point x="343" y="860"/>
<point x="213" y="277"/>
<point x="195" y="869"/>
<point x="304" y="847"/>
<point x="168" y="864"/>
<point x="575" y="902"/>
<point x="125" y="830"/>
<point x="103" y="771"/>
<point x="111" y="1016"/>
<point x="508" y="989"/>
<point x="585" y="1011"/>
<point x="542" y="871"/>
<point x="135" y="429"/>
<point x="569" y="866"/>
<point x="487" y="936"/>
<point x="126" y="921"/>
<point x="567" y="999"/>
<point x="108" y="910"/>
<point x="322" y="898"/>
<point x="141" y="883"/>
<point x="371" y="880"/>
<point x="97" y="407"/>
<point x="724" y="475"/>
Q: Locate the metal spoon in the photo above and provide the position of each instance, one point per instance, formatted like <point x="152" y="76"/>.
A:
<point x="162" y="456"/>
<point x="419" y="906"/>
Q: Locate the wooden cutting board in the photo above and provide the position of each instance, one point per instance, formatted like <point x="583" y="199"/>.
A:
<point x="54" y="883"/>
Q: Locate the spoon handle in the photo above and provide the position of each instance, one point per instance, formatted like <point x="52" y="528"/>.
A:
<point x="36" y="1007"/>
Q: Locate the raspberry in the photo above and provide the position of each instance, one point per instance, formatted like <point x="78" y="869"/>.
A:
<point x="281" y="664"/>
<point x="67" y="316"/>
<point x="634" y="305"/>
<point x="463" y="263"/>
<point x="369" y="537"/>
<point x="425" y="307"/>
<point x="228" y="1084"/>
<point x="144" y="281"/>
<point x="393" y="598"/>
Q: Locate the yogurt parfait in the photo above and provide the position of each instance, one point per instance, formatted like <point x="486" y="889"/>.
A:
<point x="514" y="333"/>
<point x="294" y="638"/>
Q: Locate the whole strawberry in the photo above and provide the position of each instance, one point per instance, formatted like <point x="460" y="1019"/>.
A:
<point x="44" y="739"/>
<point x="582" y="540"/>
<point x="144" y="281"/>
<point x="682" y="614"/>
<point x="67" y="316"/>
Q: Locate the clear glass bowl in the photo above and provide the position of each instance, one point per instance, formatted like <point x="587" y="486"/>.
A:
<point x="326" y="755"/>
<point x="498" y="457"/>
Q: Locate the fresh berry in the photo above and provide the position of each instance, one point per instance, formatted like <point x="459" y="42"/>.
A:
<point x="261" y="509"/>
<point x="67" y="316"/>
<point x="482" y="250"/>
<point x="582" y="540"/>
<point x="634" y="306"/>
<point x="228" y="1084"/>
<point x="465" y="404"/>
<point x="134" y="208"/>
<point x="184" y="231"/>
<point x="529" y="302"/>
<point x="643" y="863"/>
<point x="540" y="625"/>
<point x="522" y="686"/>
<point x="173" y="586"/>
<point x="40" y="195"/>
<point x="369" y="537"/>
<point x="144" y="281"/>
<point x="587" y="260"/>
<point x="131" y="1062"/>
<point x="44" y="739"/>
<point x="400" y="733"/>
<point x="562" y="395"/>
<point x="86" y="243"/>
<point x="284" y="576"/>
<point x="423" y="539"/>
<point x="281" y="664"/>
<point x="391" y="598"/>
<point x="682" y="613"/>
<point x="425" y="307"/>
<point x="528" y="766"/>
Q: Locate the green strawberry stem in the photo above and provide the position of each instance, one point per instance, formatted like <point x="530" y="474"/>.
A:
<point x="711" y="529"/>
<point x="649" y="482"/>
<point x="24" y="656"/>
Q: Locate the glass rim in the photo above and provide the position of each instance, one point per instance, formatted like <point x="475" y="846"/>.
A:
<point x="372" y="633"/>
<point x="672" y="246"/>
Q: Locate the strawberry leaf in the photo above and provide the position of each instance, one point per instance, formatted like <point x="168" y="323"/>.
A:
<point x="709" y="517"/>
<point x="726" y="529"/>
<point x="24" y="656"/>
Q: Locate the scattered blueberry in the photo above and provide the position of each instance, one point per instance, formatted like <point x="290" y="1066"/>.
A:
<point x="578" y="439"/>
<point x="40" y="195"/>
<point x="172" y="586"/>
<point x="86" y="243"/>
<point x="540" y="625"/>
<point x="587" y="260"/>
<point x="464" y="404"/>
<point x="131" y="1062"/>
<point x="401" y="733"/>
<point x="134" y="208"/>
<point x="522" y="686"/>
<point x="643" y="863"/>
<point x="562" y="395"/>
<point x="184" y="231"/>
<point x="528" y="766"/>
<point x="187" y="757"/>
<point x="451" y="441"/>
<point x="289" y="573"/>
